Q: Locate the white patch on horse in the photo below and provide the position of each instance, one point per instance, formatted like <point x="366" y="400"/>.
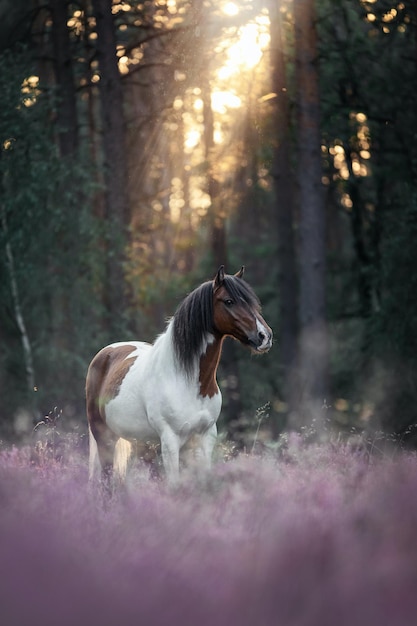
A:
<point x="139" y="345"/>
<point x="146" y="407"/>
<point x="266" y="343"/>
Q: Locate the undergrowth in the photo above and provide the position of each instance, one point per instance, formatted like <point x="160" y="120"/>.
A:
<point x="290" y="534"/>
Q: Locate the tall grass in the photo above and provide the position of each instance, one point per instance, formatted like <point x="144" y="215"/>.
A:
<point x="315" y="535"/>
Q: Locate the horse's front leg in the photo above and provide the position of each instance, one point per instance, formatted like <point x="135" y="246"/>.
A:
<point x="170" y="450"/>
<point x="204" y="451"/>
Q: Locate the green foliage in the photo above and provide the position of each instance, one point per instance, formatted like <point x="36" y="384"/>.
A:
<point x="368" y="69"/>
<point x="394" y="331"/>
<point x="397" y="325"/>
<point x="52" y="237"/>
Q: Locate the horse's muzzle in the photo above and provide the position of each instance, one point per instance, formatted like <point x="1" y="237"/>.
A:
<point x="261" y="340"/>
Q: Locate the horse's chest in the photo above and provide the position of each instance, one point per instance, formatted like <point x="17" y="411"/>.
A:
<point x="145" y="408"/>
<point x="185" y="411"/>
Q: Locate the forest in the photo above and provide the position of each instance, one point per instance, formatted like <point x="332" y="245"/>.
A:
<point x="144" y="144"/>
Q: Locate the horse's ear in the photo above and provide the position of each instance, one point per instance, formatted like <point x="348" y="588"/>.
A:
<point x="240" y="273"/>
<point x="219" y="279"/>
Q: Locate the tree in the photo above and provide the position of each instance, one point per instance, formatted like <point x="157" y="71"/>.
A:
<point x="369" y="114"/>
<point x="284" y="190"/>
<point x="114" y="166"/>
<point x="67" y="106"/>
<point x="208" y="171"/>
<point x="313" y="342"/>
<point x="48" y="251"/>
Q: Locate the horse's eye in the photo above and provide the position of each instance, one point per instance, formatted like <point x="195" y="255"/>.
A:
<point x="229" y="302"/>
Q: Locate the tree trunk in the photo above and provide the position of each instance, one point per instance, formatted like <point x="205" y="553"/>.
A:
<point x="17" y="308"/>
<point x="67" y="140"/>
<point x="283" y="177"/>
<point x="313" y="343"/>
<point x="229" y="368"/>
<point x="115" y="177"/>
<point x="67" y="108"/>
<point x="217" y="217"/>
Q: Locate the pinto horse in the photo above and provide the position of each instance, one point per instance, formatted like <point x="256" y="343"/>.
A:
<point x="167" y="392"/>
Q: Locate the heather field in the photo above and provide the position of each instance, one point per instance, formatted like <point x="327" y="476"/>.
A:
<point x="314" y="535"/>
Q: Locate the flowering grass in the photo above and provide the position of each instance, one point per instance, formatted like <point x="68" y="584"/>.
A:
<point x="317" y="535"/>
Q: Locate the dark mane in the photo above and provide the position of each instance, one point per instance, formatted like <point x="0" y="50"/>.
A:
<point x="193" y="319"/>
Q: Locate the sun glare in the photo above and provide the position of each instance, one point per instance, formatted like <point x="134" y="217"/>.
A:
<point x="237" y="53"/>
<point x="248" y="50"/>
<point x="230" y="9"/>
<point x="30" y="89"/>
<point x="192" y="139"/>
<point x="223" y="100"/>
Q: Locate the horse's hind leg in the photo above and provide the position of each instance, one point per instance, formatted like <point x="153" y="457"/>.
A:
<point x="103" y="446"/>
<point x="106" y="444"/>
<point x="105" y="439"/>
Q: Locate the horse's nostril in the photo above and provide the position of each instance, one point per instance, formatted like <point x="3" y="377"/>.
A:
<point x="261" y="336"/>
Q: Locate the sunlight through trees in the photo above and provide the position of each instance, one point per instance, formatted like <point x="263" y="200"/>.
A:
<point x="145" y="143"/>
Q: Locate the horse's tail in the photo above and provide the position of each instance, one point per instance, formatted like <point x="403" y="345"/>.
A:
<point x="94" y="467"/>
<point x="122" y="454"/>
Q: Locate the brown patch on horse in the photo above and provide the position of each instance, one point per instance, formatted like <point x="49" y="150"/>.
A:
<point x="110" y="367"/>
<point x="208" y="368"/>
<point x="119" y="365"/>
<point x="105" y="375"/>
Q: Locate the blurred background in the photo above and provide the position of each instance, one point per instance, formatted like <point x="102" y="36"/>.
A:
<point x="143" y="144"/>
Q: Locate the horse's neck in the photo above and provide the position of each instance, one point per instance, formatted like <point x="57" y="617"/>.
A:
<point x="209" y="362"/>
<point x="206" y="363"/>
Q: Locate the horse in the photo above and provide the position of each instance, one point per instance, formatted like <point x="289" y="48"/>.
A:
<point x="167" y="392"/>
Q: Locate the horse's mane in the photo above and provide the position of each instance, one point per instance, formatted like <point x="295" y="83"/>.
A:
<point x="193" y="319"/>
<point x="239" y="289"/>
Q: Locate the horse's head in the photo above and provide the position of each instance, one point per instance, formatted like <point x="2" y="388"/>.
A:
<point x="237" y="312"/>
